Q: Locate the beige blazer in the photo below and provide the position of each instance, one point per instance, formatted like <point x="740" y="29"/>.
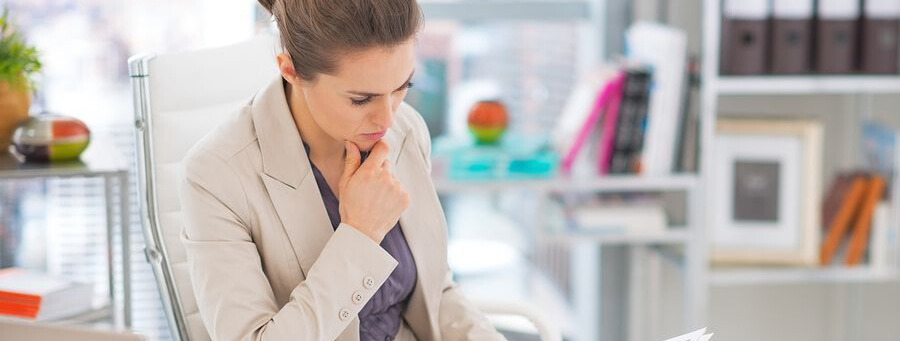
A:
<point x="264" y="260"/>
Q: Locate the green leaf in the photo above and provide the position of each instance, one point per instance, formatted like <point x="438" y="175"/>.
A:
<point x="18" y="61"/>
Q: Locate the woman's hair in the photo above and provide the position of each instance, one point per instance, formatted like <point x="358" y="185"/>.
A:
<point x="316" y="32"/>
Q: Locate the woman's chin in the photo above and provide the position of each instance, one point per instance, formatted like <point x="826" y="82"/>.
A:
<point x="365" y="145"/>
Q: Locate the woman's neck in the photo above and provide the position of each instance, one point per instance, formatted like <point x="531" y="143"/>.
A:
<point x="323" y="149"/>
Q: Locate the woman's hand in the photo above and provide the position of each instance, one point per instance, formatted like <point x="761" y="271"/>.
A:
<point x="371" y="199"/>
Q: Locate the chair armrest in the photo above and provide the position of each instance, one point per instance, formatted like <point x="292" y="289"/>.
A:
<point x="546" y="329"/>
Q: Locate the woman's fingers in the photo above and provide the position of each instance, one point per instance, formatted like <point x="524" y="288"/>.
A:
<point x="377" y="156"/>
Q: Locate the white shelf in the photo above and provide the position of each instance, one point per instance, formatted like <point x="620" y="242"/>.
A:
<point x="678" y="236"/>
<point x="753" y="276"/>
<point x="479" y="10"/>
<point x="626" y="183"/>
<point x="101" y="315"/>
<point x="793" y="85"/>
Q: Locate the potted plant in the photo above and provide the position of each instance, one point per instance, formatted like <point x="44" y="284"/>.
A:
<point x="18" y="62"/>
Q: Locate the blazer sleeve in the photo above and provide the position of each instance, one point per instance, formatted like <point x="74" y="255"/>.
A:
<point x="235" y="299"/>
<point x="458" y="317"/>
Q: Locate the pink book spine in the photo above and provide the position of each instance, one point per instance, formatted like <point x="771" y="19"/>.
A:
<point x="589" y="124"/>
<point x="610" y="121"/>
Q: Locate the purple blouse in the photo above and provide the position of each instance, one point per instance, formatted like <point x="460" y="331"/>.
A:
<point x="380" y="318"/>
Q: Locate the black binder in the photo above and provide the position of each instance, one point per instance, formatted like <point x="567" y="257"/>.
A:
<point x="836" y="44"/>
<point x="792" y="36"/>
<point x="744" y="37"/>
<point x="879" y="37"/>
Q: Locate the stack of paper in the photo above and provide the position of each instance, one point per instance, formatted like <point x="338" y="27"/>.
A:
<point x="697" y="335"/>
<point x="34" y="295"/>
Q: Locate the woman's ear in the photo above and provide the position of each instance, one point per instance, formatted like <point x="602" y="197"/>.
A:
<point x="286" y="67"/>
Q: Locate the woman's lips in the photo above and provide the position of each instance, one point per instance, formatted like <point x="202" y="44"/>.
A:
<point x="373" y="136"/>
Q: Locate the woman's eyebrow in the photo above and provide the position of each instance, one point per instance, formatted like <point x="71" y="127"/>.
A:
<point x="368" y="94"/>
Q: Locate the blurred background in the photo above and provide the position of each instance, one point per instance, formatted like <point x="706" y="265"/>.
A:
<point x="662" y="165"/>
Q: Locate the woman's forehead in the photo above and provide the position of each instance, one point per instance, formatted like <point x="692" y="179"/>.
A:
<point x="376" y="70"/>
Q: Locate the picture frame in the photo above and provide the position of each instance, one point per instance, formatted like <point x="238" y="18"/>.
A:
<point x="766" y="189"/>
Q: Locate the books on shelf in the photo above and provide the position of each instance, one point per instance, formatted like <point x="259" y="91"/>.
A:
<point x="854" y="199"/>
<point x="629" y="117"/>
<point x="664" y="50"/>
<point x="883" y="252"/>
<point x="861" y="210"/>
<point x="618" y="219"/>
<point x="36" y="296"/>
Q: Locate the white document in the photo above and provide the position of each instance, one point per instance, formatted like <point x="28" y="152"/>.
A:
<point x="697" y="335"/>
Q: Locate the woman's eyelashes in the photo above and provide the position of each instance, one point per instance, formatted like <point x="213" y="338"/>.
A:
<point x="361" y="102"/>
<point x="365" y="100"/>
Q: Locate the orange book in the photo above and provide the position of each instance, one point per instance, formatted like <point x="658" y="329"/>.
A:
<point x="35" y="295"/>
<point x="843" y="217"/>
<point x="859" y="240"/>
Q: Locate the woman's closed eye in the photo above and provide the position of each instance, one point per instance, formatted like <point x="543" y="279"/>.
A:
<point x="365" y="100"/>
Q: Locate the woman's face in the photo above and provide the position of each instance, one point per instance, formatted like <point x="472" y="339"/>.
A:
<point x="358" y="102"/>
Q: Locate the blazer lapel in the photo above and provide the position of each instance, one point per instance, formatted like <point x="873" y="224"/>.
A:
<point x="288" y="177"/>
<point x="422" y="233"/>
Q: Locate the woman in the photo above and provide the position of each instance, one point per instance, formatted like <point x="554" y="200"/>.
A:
<point x="311" y="214"/>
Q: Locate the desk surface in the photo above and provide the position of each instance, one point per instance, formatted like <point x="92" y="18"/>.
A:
<point x="101" y="158"/>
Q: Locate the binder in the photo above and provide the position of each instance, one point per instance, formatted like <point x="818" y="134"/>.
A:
<point x="791" y="38"/>
<point x="879" y="38"/>
<point x="836" y="44"/>
<point x="744" y="37"/>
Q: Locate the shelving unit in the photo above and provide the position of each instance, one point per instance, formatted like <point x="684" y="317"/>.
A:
<point x="676" y="236"/>
<point x="603" y="23"/>
<point x="98" y="161"/>
<point x="585" y="246"/>
<point x="799" y="85"/>
<point x="714" y="86"/>
<point x="563" y="184"/>
<point x="751" y="276"/>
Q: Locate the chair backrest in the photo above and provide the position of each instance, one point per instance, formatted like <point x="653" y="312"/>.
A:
<point x="178" y="98"/>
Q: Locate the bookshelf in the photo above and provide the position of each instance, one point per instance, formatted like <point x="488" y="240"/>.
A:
<point x="715" y="86"/>
<point x="675" y="236"/>
<point x="623" y="183"/>
<point x="721" y="277"/>
<point x="800" y="85"/>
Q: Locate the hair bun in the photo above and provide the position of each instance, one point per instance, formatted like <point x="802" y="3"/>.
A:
<point x="268" y="4"/>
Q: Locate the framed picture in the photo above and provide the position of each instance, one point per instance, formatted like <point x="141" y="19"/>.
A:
<point x="766" y="188"/>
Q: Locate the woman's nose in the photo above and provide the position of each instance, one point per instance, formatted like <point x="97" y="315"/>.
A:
<point x="384" y="114"/>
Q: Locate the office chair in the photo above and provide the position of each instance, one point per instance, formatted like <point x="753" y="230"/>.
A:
<point x="178" y="98"/>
